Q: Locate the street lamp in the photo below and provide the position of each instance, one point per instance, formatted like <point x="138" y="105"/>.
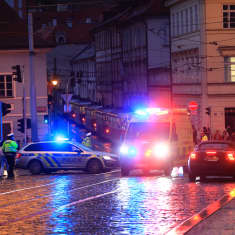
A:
<point x="54" y="82"/>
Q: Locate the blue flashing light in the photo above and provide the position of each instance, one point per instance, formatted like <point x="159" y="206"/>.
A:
<point x="133" y="151"/>
<point x="61" y="138"/>
<point x="128" y="150"/>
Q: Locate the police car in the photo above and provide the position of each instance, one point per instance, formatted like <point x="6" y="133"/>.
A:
<point x="51" y="156"/>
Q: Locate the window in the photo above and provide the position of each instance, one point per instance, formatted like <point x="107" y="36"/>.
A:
<point x="177" y="24"/>
<point x="6" y="86"/>
<point x="52" y="147"/>
<point x="196" y="17"/>
<point x="214" y="146"/>
<point x="186" y="21"/>
<point x="229" y="65"/>
<point x="173" y="25"/>
<point x="229" y="16"/>
<point x="182" y="21"/>
<point x="191" y="19"/>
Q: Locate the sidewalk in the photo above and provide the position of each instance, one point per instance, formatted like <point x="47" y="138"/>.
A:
<point x="222" y="222"/>
<point x="216" y="219"/>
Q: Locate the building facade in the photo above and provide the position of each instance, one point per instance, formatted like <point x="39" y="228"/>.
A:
<point x="203" y="52"/>
<point x="132" y="57"/>
<point x="14" y="51"/>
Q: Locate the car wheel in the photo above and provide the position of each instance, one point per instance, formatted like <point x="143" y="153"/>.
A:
<point x="94" y="166"/>
<point x="191" y="177"/>
<point x="125" y="171"/>
<point x="35" y="167"/>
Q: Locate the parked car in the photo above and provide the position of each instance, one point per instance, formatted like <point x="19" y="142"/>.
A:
<point x="50" y="156"/>
<point x="212" y="158"/>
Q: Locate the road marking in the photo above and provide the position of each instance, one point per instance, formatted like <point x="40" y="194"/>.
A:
<point x="108" y="172"/>
<point x="22" y="189"/>
<point x="50" y="195"/>
<point x="44" y="185"/>
<point x="203" y="214"/>
<point x="46" y="211"/>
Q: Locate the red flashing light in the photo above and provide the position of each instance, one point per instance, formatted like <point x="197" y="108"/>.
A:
<point x="94" y="124"/>
<point x="107" y="130"/>
<point x="193" y="155"/>
<point x="83" y="119"/>
<point x="73" y="115"/>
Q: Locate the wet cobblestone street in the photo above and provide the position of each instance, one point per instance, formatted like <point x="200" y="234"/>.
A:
<point x="78" y="203"/>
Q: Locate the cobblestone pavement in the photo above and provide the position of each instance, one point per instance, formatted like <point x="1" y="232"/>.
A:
<point x="78" y="203"/>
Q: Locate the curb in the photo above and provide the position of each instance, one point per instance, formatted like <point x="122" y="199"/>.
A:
<point x="188" y="224"/>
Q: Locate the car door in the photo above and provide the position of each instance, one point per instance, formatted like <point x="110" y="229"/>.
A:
<point x="66" y="155"/>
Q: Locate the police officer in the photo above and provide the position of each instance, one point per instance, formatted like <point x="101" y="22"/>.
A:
<point x="87" y="140"/>
<point x="9" y="148"/>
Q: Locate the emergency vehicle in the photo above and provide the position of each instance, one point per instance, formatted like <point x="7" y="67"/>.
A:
<point x="156" y="139"/>
<point x="51" y="156"/>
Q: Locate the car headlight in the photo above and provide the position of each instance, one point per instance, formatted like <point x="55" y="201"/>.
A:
<point x="128" y="150"/>
<point x="161" y="150"/>
<point x="107" y="157"/>
<point x="124" y="149"/>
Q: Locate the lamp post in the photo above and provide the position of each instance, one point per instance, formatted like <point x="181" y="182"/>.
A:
<point x="52" y="85"/>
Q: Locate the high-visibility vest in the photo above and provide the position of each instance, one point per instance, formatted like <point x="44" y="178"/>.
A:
<point x="9" y="146"/>
<point x="87" y="141"/>
<point x="204" y="138"/>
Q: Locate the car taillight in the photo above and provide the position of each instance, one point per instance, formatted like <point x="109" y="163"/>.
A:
<point x="193" y="155"/>
<point x="18" y="155"/>
<point x="230" y="156"/>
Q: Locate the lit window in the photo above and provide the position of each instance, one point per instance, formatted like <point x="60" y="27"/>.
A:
<point x="229" y="64"/>
<point x="228" y="16"/>
<point x="6" y="86"/>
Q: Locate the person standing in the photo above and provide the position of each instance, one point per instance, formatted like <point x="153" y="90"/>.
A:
<point x="87" y="140"/>
<point x="9" y="149"/>
<point x="194" y="135"/>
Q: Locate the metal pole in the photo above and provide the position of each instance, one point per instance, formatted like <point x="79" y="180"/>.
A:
<point x="1" y="119"/>
<point x="33" y="104"/>
<point x="24" y="108"/>
<point x="67" y="104"/>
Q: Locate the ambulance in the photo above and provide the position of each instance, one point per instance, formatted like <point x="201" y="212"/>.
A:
<point x="156" y="139"/>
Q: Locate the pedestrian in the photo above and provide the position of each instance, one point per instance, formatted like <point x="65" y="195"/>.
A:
<point x="204" y="137"/>
<point x="217" y="135"/>
<point x="229" y="130"/>
<point x="225" y="135"/>
<point x="194" y="135"/>
<point x="9" y="149"/>
<point x="87" y="140"/>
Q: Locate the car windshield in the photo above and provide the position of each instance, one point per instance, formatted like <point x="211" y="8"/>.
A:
<point x="218" y="146"/>
<point x="148" y="131"/>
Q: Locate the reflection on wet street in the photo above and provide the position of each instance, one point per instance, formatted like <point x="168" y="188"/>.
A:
<point x="78" y="203"/>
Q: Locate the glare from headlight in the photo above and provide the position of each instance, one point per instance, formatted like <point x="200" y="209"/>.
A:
<point x="161" y="150"/>
<point x="107" y="157"/>
<point x="124" y="149"/>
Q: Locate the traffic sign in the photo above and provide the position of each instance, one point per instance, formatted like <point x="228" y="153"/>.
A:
<point x="66" y="97"/>
<point x="193" y="106"/>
